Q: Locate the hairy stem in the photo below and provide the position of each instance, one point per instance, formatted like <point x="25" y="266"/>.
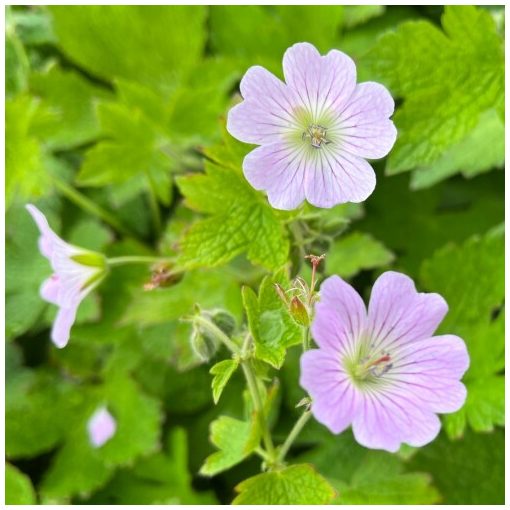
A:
<point x="298" y="426"/>
<point x="136" y="259"/>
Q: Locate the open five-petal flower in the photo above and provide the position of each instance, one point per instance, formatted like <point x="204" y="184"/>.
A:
<point x="314" y="131"/>
<point x="383" y="371"/>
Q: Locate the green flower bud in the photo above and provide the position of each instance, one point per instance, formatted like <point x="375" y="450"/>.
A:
<point x="299" y="312"/>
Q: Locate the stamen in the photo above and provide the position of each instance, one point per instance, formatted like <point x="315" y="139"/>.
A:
<point x="317" y="135"/>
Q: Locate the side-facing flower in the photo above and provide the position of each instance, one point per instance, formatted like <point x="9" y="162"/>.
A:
<point x="383" y="371"/>
<point x="101" y="427"/>
<point x="76" y="272"/>
<point x="314" y="131"/>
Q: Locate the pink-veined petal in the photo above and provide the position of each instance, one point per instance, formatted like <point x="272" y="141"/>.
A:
<point x="279" y="169"/>
<point x="430" y="371"/>
<point x="398" y="314"/>
<point x="364" y="126"/>
<point x="337" y="177"/>
<point x="322" y="83"/>
<point x="340" y="317"/>
<point x="334" y="399"/>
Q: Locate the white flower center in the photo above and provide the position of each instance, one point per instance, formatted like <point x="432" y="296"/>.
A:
<point x="317" y="135"/>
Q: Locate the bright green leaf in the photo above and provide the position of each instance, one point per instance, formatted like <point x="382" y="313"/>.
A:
<point x="222" y="372"/>
<point x="355" y="252"/>
<point x="447" y="79"/>
<point x="235" y="440"/>
<point x="18" y="487"/>
<point x="272" y="327"/>
<point x="294" y="485"/>
<point x="241" y="221"/>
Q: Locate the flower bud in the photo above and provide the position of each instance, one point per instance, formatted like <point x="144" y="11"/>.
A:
<point x="224" y="320"/>
<point x="299" y="312"/>
<point x="204" y="344"/>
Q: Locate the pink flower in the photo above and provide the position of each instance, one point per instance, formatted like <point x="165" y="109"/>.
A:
<point x="76" y="272"/>
<point x="383" y="372"/>
<point x="101" y="427"/>
<point x="314" y="131"/>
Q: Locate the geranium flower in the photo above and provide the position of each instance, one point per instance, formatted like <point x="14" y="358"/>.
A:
<point x="101" y="427"/>
<point x="76" y="272"/>
<point x="383" y="372"/>
<point x="314" y="131"/>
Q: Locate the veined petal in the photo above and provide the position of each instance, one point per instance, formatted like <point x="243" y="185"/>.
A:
<point x="429" y="371"/>
<point x="398" y="314"/>
<point x="364" y="126"/>
<point x="62" y="324"/>
<point x="337" y="177"/>
<point x="278" y="168"/>
<point x="334" y="399"/>
<point x="48" y="238"/>
<point x="322" y="83"/>
<point x="340" y="317"/>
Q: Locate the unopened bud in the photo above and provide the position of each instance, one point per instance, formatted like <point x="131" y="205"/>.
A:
<point x="224" y="320"/>
<point x="299" y="312"/>
<point x="162" y="276"/>
<point x="203" y="344"/>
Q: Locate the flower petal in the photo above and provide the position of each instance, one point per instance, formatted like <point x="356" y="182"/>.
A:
<point x="62" y="324"/>
<point x="322" y="83"/>
<point x="280" y="170"/>
<point x="334" y="399"/>
<point x="340" y="317"/>
<point x="50" y="289"/>
<point x="48" y="237"/>
<point x="429" y="371"/>
<point x="364" y="126"/>
<point x="387" y="420"/>
<point x="267" y="110"/>
<point x="101" y="427"/>
<point x="336" y="177"/>
<point x="398" y="314"/>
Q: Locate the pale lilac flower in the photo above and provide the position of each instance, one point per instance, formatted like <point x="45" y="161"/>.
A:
<point x="101" y="427"/>
<point x="76" y="272"/>
<point x="383" y="371"/>
<point x="314" y="131"/>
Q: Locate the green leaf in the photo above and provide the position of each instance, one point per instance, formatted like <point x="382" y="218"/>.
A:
<point x="241" y="221"/>
<point x="25" y="175"/>
<point x="368" y="477"/>
<point x="480" y="151"/>
<point x="235" y="440"/>
<point x="466" y="472"/>
<point x="271" y="325"/>
<point x="162" y="478"/>
<point x="471" y="279"/>
<point x="222" y="372"/>
<point x="71" y="100"/>
<point x="447" y="79"/>
<point x="277" y="27"/>
<point x="154" y="45"/>
<point x="18" y="487"/>
<point x="17" y="66"/>
<point x="355" y="252"/>
<point x="359" y="14"/>
<point x="294" y="485"/>
<point x="78" y="468"/>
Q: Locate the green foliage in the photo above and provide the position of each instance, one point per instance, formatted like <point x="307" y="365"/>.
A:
<point x="355" y="252"/>
<point x="467" y="472"/>
<point x="18" y="487"/>
<point x="271" y="325"/>
<point x="241" y="221"/>
<point x="471" y="278"/>
<point x="222" y="372"/>
<point x="294" y="485"/>
<point x="447" y="79"/>
<point x="235" y="440"/>
<point x="151" y="44"/>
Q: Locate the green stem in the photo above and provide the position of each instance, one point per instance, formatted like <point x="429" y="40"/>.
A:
<point x="298" y="238"/>
<point x="135" y="259"/>
<point x="217" y="332"/>
<point x="306" y="338"/>
<point x="259" y="408"/>
<point x="89" y="206"/>
<point x="293" y="434"/>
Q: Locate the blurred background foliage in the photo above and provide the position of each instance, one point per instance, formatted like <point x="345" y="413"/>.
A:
<point x="112" y="115"/>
